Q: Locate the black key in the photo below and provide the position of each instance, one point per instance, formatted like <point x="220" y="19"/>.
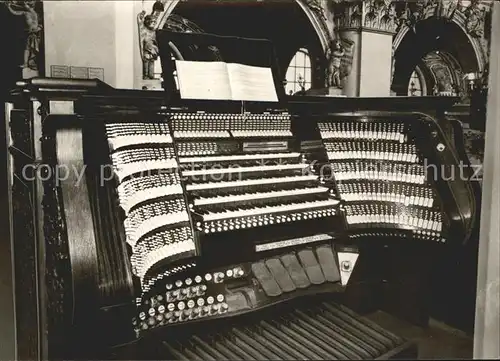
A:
<point x="266" y="343"/>
<point x="372" y="324"/>
<point x="176" y="353"/>
<point x="226" y="351"/>
<point x="290" y="341"/>
<point x="355" y="337"/>
<point x="191" y="355"/>
<point x="212" y="351"/>
<point x="367" y="326"/>
<point x="378" y="346"/>
<point x="330" y="338"/>
<point x="204" y="355"/>
<point x="313" y="337"/>
<point x="267" y="354"/>
<point x="285" y="346"/>
<point x="238" y="350"/>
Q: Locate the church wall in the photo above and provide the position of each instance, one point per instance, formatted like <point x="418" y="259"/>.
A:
<point x="81" y="33"/>
<point x="126" y="51"/>
<point x="375" y="71"/>
<point x="104" y="34"/>
<point x="100" y="34"/>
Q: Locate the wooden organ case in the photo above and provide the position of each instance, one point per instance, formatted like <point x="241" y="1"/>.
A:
<point x="152" y="228"/>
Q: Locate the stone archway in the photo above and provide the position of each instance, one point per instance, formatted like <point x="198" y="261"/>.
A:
<point x="480" y="50"/>
<point x="432" y="36"/>
<point x="313" y="14"/>
<point x="470" y="20"/>
<point x="312" y="9"/>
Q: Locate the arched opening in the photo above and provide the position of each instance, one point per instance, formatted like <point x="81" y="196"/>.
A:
<point x="417" y="85"/>
<point x="285" y="23"/>
<point x="440" y="53"/>
<point x="299" y="73"/>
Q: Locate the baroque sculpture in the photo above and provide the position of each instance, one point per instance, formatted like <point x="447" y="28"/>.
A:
<point x="147" y="39"/>
<point x="148" y="45"/>
<point x="340" y="56"/>
<point x="34" y="32"/>
<point x="475" y="15"/>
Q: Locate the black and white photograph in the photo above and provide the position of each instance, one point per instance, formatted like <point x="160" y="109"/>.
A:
<point x="250" y="180"/>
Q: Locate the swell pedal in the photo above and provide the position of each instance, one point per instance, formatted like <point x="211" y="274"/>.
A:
<point x="311" y="266"/>
<point x="328" y="263"/>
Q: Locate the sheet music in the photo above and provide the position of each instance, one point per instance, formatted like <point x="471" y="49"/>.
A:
<point x="223" y="81"/>
<point x="203" y="80"/>
<point x="252" y="83"/>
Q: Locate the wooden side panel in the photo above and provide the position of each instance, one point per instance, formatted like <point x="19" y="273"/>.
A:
<point x="487" y="327"/>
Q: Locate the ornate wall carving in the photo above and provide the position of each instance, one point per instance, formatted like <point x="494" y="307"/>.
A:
<point x="442" y="72"/>
<point x="471" y="16"/>
<point x="32" y="12"/>
<point x="374" y="15"/>
<point x="471" y="13"/>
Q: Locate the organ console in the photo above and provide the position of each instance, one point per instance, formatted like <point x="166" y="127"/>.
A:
<point x="146" y="228"/>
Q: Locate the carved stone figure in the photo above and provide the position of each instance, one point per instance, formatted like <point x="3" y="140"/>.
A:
<point x="34" y="29"/>
<point x="475" y="18"/>
<point x="340" y="55"/>
<point x="356" y="15"/>
<point x="147" y="38"/>
<point x="448" y="8"/>
<point x="435" y="90"/>
<point x="148" y="45"/>
<point x="315" y="6"/>
<point x="371" y="16"/>
<point x="335" y="58"/>
<point x="389" y="17"/>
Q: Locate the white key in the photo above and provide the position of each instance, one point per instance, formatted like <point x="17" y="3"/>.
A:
<point x="252" y="196"/>
<point x="152" y="223"/>
<point x="264" y="168"/>
<point x="250" y="182"/>
<point x="238" y="157"/>
<point x="267" y="210"/>
<point x="128" y="169"/>
<point x="146" y="194"/>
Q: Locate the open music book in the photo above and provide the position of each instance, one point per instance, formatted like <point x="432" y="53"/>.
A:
<point x="215" y="80"/>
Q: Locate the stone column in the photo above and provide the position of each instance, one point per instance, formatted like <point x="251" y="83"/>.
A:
<point x="125" y="44"/>
<point x="365" y="30"/>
